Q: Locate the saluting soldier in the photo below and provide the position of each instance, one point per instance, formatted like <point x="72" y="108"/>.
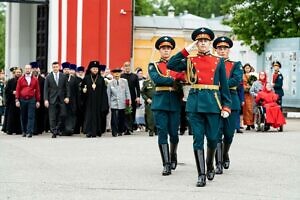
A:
<point x="147" y="92"/>
<point x="234" y="74"/>
<point x="166" y="103"/>
<point x="277" y="81"/>
<point x="208" y="98"/>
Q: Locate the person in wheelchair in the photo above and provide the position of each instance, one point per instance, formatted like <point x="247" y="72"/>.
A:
<point x="267" y="98"/>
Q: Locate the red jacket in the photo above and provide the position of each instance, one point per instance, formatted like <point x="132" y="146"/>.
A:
<point x="267" y="97"/>
<point x="25" y="91"/>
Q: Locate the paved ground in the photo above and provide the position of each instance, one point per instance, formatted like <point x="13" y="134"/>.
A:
<point x="264" y="166"/>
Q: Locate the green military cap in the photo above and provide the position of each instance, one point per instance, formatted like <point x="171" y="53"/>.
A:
<point x="165" y="41"/>
<point x="203" y="33"/>
<point x="222" y="42"/>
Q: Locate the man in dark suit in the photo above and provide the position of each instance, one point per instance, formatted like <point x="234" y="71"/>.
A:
<point x="56" y="95"/>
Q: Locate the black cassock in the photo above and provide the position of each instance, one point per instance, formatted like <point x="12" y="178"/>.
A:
<point x="95" y="104"/>
<point x="13" y="122"/>
<point x="40" y="113"/>
<point x="71" y="107"/>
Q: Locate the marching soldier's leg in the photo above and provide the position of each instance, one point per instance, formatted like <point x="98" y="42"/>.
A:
<point x="219" y="155"/>
<point x="196" y="121"/>
<point x="212" y="124"/>
<point x="161" y="119"/>
<point x="174" y="121"/>
<point x="228" y="137"/>
<point x="199" y="157"/>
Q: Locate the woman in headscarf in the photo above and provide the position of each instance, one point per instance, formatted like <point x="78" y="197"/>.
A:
<point x="259" y="84"/>
<point x="268" y="99"/>
<point x="248" y="118"/>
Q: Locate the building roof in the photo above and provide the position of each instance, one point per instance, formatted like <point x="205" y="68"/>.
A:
<point x="185" y="21"/>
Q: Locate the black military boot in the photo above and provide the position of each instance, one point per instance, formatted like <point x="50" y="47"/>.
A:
<point x="226" y="161"/>
<point x="165" y="156"/>
<point x="173" y="156"/>
<point x="199" y="157"/>
<point x="210" y="163"/>
<point x="219" y="155"/>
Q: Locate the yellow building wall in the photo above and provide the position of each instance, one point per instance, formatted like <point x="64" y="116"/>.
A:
<point x="145" y="52"/>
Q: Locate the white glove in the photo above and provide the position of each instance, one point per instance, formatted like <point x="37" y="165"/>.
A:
<point x="190" y="47"/>
<point x="224" y="114"/>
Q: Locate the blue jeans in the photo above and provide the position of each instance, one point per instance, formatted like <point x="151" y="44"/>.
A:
<point x="27" y="115"/>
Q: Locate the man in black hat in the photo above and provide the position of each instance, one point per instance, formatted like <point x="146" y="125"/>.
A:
<point x="56" y="96"/>
<point x="40" y="118"/>
<point x="71" y="107"/>
<point x="206" y="100"/>
<point x="79" y="110"/>
<point x="166" y="103"/>
<point x="234" y="74"/>
<point x="12" y="122"/>
<point x="94" y="94"/>
<point x="119" y="99"/>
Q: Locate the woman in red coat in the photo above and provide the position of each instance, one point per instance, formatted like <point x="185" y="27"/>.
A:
<point x="267" y="97"/>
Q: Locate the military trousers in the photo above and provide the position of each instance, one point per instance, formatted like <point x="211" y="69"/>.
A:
<point x="204" y="124"/>
<point x="149" y="117"/>
<point x="227" y="127"/>
<point x="167" y="123"/>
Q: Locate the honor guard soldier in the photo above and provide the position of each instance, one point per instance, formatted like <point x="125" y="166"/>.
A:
<point x="147" y="93"/>
<point x="166" y="103"/>
<point x="277" y="81"/>
<point x="234" y="74"/>
<point x="208" y="99"/>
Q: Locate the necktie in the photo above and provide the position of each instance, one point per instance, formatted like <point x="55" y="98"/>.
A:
<point x="117" y="82"/>
<point x="56" y="78"/>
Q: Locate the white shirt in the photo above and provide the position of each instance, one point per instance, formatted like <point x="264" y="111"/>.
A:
<point x="28" y="78"/>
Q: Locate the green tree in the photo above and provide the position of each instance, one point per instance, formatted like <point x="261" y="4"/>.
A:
<point x="2" y="35"/>
<point x="202" y="8"/>
<point x="255" y="22"/>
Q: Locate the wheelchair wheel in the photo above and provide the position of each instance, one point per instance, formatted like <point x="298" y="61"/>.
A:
<point x="259" y="126"/>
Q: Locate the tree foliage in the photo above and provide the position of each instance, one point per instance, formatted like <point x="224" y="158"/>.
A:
<point x="202" y="8"/>
<point x="256" y="22"/>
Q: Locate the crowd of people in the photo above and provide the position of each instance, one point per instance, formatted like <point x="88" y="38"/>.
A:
<point x="203" y="93"/>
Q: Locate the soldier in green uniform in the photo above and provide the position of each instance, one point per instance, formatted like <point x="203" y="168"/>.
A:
<point x="234" y="74"/>
<point x="147" y="92"/>
<point x="208" y="98"/>
<point x="166" y="103"/>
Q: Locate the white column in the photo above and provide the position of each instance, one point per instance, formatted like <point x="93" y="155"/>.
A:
<point x="53" y="33"/>
<point x="64" y="23"/>
<point x="108" y="34"/>
<point x="79" y="32"/>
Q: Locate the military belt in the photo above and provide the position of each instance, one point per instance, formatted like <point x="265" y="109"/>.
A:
<point x="233" y="88"/>
<point x="205" y="87"/>
<point x="164" y="88"/>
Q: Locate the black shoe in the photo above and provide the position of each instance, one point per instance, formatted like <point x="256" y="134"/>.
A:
<point x="53" y="135"/>
<point x="181" y="133"/>
<point x="151" y="133"/>
<point x="280" y="129"/>
<point x="252" y="126"/>
<point x="239" y="131"/>
<point x="24" y="135"/>
<point x="119" y="134"/>
<point x="248" y="128"/>
<point x="115" y="134"/>
<point x="127" y="132"/>
<point x="29" y="135"/>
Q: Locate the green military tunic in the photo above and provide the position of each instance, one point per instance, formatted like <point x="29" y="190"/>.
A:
<point x="204" y="104"/>
<point x="147" y="92"/>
